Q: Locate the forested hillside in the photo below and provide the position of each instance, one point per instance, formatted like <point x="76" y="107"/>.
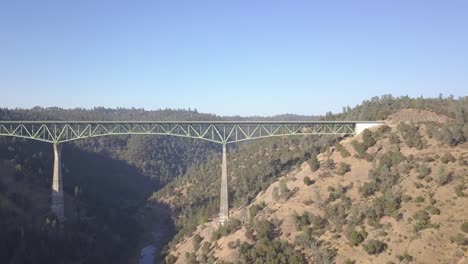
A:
<point x="106" y="183"/>
<point x="253" y="166"/>
<point x="395" y="194"/>
<point x="107" y="180"/>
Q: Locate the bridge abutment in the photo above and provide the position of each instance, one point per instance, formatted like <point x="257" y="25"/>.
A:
<point x="224" y="201"/>
<point x="57" y="203"/>
<point x="361" y="126"/>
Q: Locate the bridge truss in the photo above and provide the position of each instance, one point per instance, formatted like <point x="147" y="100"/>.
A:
<point x="223" y="132"/>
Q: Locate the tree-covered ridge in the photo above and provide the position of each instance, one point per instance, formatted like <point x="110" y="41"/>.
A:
<point x="195" y="197"/>
<point x="379" y="108"/>
<point x="409" y="189"/>
<point x="131" y="114"/>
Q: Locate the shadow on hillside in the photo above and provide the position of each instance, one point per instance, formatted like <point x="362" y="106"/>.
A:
<point x="105" y="207"/>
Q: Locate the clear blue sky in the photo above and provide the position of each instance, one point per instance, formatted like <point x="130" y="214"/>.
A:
<point x="230" y="57"/>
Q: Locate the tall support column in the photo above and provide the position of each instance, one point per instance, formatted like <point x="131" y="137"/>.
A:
<point x="57" y="204"/>
<point x="224" y="205"/>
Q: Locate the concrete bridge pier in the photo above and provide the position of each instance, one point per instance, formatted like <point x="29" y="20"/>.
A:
<point x="57" y="204"/>
<point x="224" y="203"/>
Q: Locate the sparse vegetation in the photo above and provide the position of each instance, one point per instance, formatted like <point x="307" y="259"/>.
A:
<point x="314" y="163"/>
<point x="459" y="239"/>
<point x="423" y="221"/>
<point x="447" y="157"/>
<point x="254" y="209"/>
<point x="460" y="190"/>
<point x="229" y="227"/>
<point x="308" y="181"/>
<point x="405" y="258"/>
<point x="374" y="247"/>
<point x="343" y="151"/>
<point x="464" y="227"/>
<point x="356" y="237"/>
<point x="410" y="134"/>
<point x="368" y="188"/>
<point x="343" y="168"/>
<point x="443" y="177"/>
<point x="419" y="199"/>
<point x="423" y="170"/>
<point x="196" y="242"/>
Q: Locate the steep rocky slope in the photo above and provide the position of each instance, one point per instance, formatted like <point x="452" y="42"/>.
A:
<point x="391" y="195"/>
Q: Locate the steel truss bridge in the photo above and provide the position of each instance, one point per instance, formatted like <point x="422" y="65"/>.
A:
<point x="222" y="132"/>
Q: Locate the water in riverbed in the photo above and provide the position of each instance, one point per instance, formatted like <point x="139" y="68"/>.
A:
<point x="147" y="253"/>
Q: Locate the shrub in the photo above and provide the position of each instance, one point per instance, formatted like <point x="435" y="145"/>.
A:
<point x="446" y="158"/>
<point x="406" y="198"/>
<point x="464" y="227"/>
<point x="423" y="221"/>
<point x="433" y="210"/>
<point x="343" y="168"/>
<point x="343" y="151"/>
<point x="443" y="177"/>
<point x="367" y="138"/>
<point x="405" y="257"/>
<point x="394" y="139"/>
<point x="196" y="242"/>
<point x="463" y="162"/>
<point x="374" y="247"/>
<point x="313" y="163"/>
<point x="451" y="134"/>
<point x="329" y="164"/>
<point x="368" y="188"/>
<point x="460" y="239"/>
<point x="301" y="221"/>
<point x="419" y="199"/>
<point x="423" y="170"/>
<point x="190" y="258"/>
<point x="308" y="181"/>
<point x="254" y="209"/>
<point x="410" y="134"/>
<point x="382" y="131"/>
<point x="460" y="190"/>
<point x="170" y="259"/>
<point x="390" y="159"/>
<point x="360" y="148"/>
<point x="318" y="222"/>
<point x="305" y="239"/>
<point x="275" y="193"/>
<point x="355" y="237"/>
<point x="388" y="204"/>
<point x="324" y="255"/>
<point x="335" y="193"/>
<point x="264" y="229"/>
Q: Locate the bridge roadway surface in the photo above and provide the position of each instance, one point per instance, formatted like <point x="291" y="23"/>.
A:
<point x="221" y="132"/>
